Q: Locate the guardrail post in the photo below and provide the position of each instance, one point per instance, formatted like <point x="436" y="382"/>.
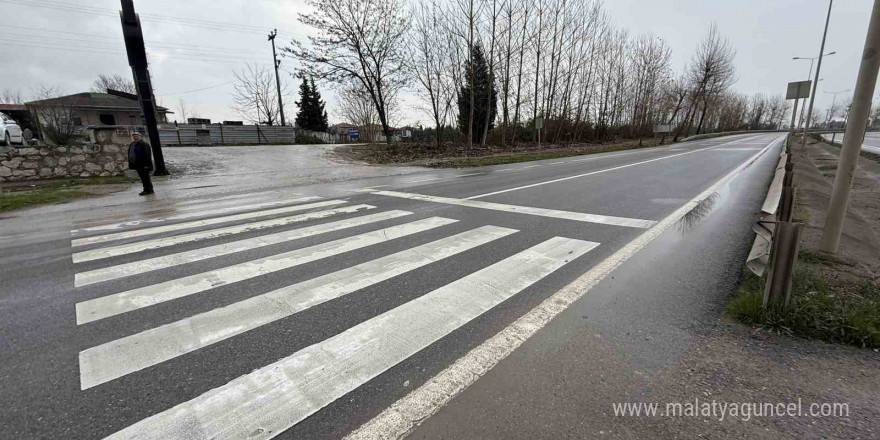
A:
<point x="786" y="245"/>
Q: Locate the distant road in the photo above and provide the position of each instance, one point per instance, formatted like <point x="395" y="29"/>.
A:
<point x="871" y="143"/>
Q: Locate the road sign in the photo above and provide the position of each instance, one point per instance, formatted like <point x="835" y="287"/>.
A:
<point x="539" y="122"/>
<point x="798" y="90"/>
<point x="353" y="133"/>
<point x="662" y="129"/>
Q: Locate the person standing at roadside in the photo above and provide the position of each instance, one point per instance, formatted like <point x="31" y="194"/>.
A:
<point x="140" y="159"/>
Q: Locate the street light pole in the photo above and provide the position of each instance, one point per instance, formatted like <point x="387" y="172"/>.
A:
<point x="855" y="134"/>
<point x="831" y="109"/>
<point x="804" y="104"/>
<point x="818" y="68"/>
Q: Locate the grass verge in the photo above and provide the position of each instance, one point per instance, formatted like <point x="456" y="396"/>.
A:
<point x="822" y="308"/>
<point x="52" y="191"/>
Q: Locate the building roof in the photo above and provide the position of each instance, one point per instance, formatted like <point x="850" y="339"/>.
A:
<point x="100" y="101"/>
<point x="12" y="108"/>
<point x="343" y="125"/>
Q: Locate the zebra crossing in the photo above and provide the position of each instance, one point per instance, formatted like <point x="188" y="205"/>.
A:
<point x="271" y="399"/>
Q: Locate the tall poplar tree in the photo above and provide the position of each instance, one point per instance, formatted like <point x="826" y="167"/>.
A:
<point x="477" y="77"/>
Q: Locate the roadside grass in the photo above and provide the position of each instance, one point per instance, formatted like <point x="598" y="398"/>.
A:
<point x="52" y="191"/>
<point x="835" y="311"/>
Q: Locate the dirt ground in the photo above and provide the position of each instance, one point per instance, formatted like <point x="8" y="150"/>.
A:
<point x="816" y="167"/>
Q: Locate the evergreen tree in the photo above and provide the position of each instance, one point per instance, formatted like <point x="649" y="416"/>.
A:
<point x="484" y="90"/>
<point x="311" y="115"/>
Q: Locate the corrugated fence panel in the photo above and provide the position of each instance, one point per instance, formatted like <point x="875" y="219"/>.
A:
<point x="186" y="134"/>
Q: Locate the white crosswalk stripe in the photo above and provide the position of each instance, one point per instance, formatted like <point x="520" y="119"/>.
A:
<point x="123" y="356"/>
<point x="264" y="403"/>
<point x="192" y="214"/>
<point x="166" y="261"/>
<point x="115" y="251"/>
<point x="200" y="223"/>
<point x="275" y="397"/>
<point x="127" y="301"/>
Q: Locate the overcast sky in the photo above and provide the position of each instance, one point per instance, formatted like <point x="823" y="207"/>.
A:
<point x="69" y="43"/>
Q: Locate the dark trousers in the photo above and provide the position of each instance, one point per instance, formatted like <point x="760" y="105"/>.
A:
<point x="145" y="179"/>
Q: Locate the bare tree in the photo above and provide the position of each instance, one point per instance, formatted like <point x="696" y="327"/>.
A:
<point x="183" y="111"/>
<point x="356" y="107"/>
<point x="255" y="97"/>
<point x="429" y="63"/>
<point x="114" y="82"/>
<point x="55" y="118"/>
<point x="9" y="96"/>
<point x="359" y="39"/>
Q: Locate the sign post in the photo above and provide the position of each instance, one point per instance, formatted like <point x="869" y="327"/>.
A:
<point x="796" y="90"/>
<point x="539" y="122"/>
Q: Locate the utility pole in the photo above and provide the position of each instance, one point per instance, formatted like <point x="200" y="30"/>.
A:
<point x="277" y="63"/>
<point x="137" y="59"/>
<point x="818" y="68"/>
<point x="855" y="134"/>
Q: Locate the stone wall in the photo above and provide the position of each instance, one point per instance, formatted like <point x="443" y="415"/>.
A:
<point x="32" y="163"/>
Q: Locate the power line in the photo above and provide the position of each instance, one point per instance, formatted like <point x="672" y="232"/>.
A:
<point x="162" y="19"/>
<point x="198" y="90"/>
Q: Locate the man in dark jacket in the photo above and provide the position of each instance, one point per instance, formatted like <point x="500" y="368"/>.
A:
<point x="140" y="159"/>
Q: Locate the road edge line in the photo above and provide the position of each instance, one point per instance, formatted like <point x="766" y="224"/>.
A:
<point x="402" y="417"/>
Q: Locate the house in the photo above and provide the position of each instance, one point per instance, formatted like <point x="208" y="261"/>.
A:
<point x="92" y="108"/>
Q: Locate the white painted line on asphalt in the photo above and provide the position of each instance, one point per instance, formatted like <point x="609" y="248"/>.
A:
<point x="118" y="303"/>
<point x="595" y="172"/>
<point x="470" y="174"/>
<point x="404" y="415"/>
<point x="165" y="261"/>
<point x="423" y="180"/>
<point x="530" y="166"/>
<point x="140" y="246"/>
<point x="507" y="169"/>
<point x="542" y="212"/>
<point x="557" y="163"/>
<point x="738" y="149"/>
<point x="118" y="358"/>
<point x="200" y="223"/>
<point x="186" y="215"/>
<point x="274" y="398"/>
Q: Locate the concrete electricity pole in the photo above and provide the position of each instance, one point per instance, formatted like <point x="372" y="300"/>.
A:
<point x="855" y="134"/>
<point x="816" y="82"/>
<point x="276" y="62"/>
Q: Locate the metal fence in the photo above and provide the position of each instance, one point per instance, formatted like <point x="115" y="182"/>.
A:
<point x="218" y="134"/>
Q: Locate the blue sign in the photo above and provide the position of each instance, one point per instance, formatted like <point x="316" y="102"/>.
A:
<point x="353" y="133"/>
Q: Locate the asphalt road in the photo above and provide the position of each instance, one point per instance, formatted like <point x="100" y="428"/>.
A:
<point x="870" y="144"/>
<point x="306" y="312"/>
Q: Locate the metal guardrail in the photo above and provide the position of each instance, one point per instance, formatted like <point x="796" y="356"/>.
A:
<point x="777" y="240"/>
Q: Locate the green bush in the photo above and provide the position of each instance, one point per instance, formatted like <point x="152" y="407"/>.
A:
<point x="304" y="139"/>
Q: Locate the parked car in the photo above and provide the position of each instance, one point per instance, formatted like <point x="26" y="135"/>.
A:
<point x="10" y="132"/>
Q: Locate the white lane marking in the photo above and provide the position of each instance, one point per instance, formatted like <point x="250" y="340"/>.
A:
<point x="111" y="305"/>
<point x="507" y="169"/>
<point x="530" y="166"/>
<point x="140" y="246"/>
<point x="556" y="163"/>
<point x="404" y="415"/>
<point x="376" y="186"/>
<point x="737" y="149"/>
<point x="595" y="172"/>
<point x="470" y="174"/>
<point x="272" y="399"/>
<point x="118" y="358"/>
<point x="193" y="214"/>
<point x="200" y="223"/>
<point x="423" y="180"/>
<point x="165" y="261"/>
<point x="553" y="213"/>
